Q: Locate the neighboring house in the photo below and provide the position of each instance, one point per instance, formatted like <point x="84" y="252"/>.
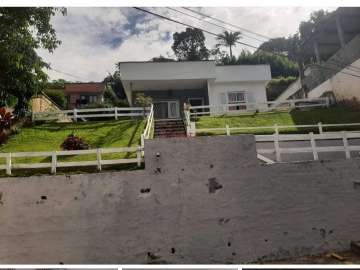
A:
<point x="42" y="103"/>
<point x="82" y="94"/>
<point x="171" y="84"/>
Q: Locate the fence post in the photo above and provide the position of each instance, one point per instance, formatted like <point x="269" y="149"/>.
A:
<point x="313" y="146"/>
<point x="8" y="164"/>
<point x="320" y="128"/>
<point x="116" y="114"/>
<point x="138" y="156"/>
<point x="53" y="162"/>
<point x="227" y="130"/>
<point x="98" y="158"/>
<point x="327" y="102"/>
<point x="346" y="145"/>
<point x="192" y="129"/>
<point x="276" y="129"/>
<point x="75" y="114"/>
<point x="276" y="144"/>
<point x="292" y="104"/>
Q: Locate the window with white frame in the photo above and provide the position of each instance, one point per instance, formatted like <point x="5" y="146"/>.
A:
<point x="237" y="98"/>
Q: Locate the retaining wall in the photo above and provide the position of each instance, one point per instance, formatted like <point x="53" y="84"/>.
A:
<point x="200" y="200"/>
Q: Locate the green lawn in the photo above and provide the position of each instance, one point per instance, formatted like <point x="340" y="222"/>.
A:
<point x="49" y="137"/>
<point x="331" y="115"/>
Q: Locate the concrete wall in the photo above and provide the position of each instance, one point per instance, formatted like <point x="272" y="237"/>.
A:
<point x="342" y="58"/>
<point x="41" y="103"/>
<point x="342" y="85"/>
<point x="201" y="200"/>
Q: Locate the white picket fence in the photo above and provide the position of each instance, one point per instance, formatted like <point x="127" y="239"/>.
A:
<point x="313" y="148"/>
<point x="247" y="107"/>
<point x="76" y="114"/>
<point x="55" y="163"/>
<point x="275" y="128"/>
<point x="149" y="126"/>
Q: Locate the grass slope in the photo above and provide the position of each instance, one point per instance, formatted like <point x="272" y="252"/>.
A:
<point x="331" y="115"/>
<point x="49" y="137"/>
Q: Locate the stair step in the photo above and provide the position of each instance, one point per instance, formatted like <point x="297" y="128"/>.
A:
<point x="169" y="125"/>
<point x="169" y="128"/>
<point x="172" y="128"/>
<point x="170" y="136"/>
<point x="170" y="133"/>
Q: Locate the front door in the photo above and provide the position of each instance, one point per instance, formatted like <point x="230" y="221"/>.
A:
<point x="173" y="109"/>
<point x="166" y="109"/>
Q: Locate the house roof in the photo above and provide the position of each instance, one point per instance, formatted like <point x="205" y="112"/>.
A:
<point x="95" y="88"/>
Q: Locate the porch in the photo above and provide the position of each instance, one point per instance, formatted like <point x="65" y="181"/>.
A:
<point x="168" y="104"/>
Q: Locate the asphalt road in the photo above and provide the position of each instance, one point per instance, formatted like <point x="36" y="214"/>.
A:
<point x="309" y="156"/>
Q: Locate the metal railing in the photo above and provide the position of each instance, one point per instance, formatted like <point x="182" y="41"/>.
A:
<point x="148" y="131"/>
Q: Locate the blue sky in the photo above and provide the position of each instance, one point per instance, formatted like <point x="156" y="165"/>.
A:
<point x="94" y="39"/>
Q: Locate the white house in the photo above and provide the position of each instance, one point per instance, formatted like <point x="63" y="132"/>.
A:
<point x="172" y="84"/>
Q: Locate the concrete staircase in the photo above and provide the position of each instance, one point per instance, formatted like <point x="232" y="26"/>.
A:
<point x="169" y="128"/>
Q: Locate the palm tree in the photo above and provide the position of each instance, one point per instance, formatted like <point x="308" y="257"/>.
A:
<point x="228" y="39"/>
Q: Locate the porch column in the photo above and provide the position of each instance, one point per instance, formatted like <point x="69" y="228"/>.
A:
<point x="317" y="53"/>
<point x="340" y="31"/>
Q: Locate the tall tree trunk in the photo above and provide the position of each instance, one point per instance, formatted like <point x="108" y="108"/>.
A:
<point x="302" y="76"/>
<point x="230" y="53"/>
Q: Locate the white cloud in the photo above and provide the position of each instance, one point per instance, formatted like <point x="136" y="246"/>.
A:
<point x="94" y="39"/>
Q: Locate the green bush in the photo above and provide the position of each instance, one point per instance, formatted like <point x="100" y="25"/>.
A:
<point x="57" y="96"/>
<point x="278" y="85"/>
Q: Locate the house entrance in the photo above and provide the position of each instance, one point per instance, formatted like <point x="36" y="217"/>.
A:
<point x="166" y="109"/>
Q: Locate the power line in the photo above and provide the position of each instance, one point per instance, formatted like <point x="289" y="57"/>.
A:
<point x="68" y="74"/>
<point x="218" y="25"/>
<point x="214" y="34"/>
<point x="224" y="22"/>
<point x="188" y="25"/>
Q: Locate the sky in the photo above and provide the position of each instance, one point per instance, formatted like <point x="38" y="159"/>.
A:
<point x="94" y="39"/>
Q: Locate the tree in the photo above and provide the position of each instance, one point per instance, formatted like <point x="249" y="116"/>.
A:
<point x="276" y="45"/>
<point x="114" y="81"/>
<point x="229" y="39"/>
<point x="161" y="58"/>
<point x="190" y="45"/>
<point x="308" y="27"/>
<point x="143" y="101"/>
<point x="23" y="31"/>
<point x="280" y="65"/>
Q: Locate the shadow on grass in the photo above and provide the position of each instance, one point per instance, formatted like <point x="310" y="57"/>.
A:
<point x="117" y="133"/>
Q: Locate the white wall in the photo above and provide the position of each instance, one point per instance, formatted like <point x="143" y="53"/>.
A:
<point x="255" y="91"/>
<point x="167" y="70"/>
<point x="342" y="85"/>
<point x="243" y="73"/>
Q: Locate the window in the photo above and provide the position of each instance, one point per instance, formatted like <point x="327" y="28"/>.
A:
<point x="92" y="99"/>
<point x="237" y="98"/>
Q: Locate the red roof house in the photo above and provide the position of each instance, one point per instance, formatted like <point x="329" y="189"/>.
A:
<point x="82" y="94"/>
